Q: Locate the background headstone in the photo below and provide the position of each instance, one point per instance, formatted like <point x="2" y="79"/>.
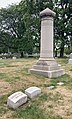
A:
<point x="71" y="56"/>
<point x="14" y="58"/>
<point x="70" y="60"/>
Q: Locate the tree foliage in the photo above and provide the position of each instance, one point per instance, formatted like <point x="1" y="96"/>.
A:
<point x="20" y="25"/>
<point x="63" y="24"/>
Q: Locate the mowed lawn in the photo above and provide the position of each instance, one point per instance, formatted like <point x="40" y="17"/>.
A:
<point x="51" y="104"/>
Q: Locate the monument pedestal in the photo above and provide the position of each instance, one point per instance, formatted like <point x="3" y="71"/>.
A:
<point x="47" y="65"/>
<point x="48" y="68"/>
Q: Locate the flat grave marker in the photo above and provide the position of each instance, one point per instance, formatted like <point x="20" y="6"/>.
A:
<point x="16" y="99"/>
<point x="51" y="87"/>
<point x="32" y="92"/>
<point x="60" y="83"/>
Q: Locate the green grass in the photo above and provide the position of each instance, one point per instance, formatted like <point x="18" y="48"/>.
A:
<point x="33" y="111"/>
<point x="66" y="79"/>
<point x="43" y="106"/>
<point x="3" y="76"/>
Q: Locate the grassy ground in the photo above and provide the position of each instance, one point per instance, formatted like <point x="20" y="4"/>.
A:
<point x="51" y="104"/>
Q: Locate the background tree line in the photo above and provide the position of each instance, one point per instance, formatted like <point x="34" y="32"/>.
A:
<point x="20" y="26"/>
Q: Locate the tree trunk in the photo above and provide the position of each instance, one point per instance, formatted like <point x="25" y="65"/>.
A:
<point x="62" y="50"/>
<point x="22" y="55"/>
<point x="56" y="53"/>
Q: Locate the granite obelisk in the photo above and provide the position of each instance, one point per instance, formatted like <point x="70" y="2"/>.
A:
<point x="46" y="65"/>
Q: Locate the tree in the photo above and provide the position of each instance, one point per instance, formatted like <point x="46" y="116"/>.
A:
<point x="22" y="23"/>
<point x="11" y="23"/>
<point x="62" y="23"/>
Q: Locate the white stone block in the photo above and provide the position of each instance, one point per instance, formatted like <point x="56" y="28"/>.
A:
<point x="14" y="58"/>
<point x="16" y="100"/>
<point x="60" y="83"/>
<point x="32" y="92"/>
<point x="70" y="61"/>
<point x="70" y="55"/>
<point x="51" y="87"/>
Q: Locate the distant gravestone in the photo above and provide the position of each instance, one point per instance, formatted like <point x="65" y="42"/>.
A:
<point x="71" y="56"/>
<point x="16" y="100"/>
<point x="51" y="87"/>
<point x="60" y="83"/>
<point x="32" y="92"/>
<point x="70" y="60"/>
<point x="14" y="58"/>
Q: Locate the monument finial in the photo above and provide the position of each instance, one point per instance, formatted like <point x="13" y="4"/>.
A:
<point x="47" y="12"/>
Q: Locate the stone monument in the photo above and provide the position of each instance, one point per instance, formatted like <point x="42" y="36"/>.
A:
<point x="70" y="60"/>
<point x="46" y="65"/>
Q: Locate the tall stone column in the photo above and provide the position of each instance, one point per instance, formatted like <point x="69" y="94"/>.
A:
<point x="46" y="65"/>
<point x="46" y="33"/>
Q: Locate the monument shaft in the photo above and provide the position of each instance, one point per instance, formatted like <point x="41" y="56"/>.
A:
<point x="46" y="38"/>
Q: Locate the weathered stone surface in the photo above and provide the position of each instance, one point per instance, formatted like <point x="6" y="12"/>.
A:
<point x="32" y="92"/>
<point x="46" y="65"/>
<point x="16" y="100"/>
<point x="47" y="12"/>
<point x="50" y="74"/>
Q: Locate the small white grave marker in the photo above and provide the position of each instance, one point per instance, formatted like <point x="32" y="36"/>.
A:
<point x="70" y="55"/>
<point x="16" y="100"/>
<point x="51" y="87"/>
<point x="32" y="92"/>
<point x="60" y="83"/>
<point x="14" y="58"/>
<point x="70" y="60"/>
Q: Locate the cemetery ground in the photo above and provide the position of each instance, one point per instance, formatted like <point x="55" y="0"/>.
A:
<point x="53" y="103"/>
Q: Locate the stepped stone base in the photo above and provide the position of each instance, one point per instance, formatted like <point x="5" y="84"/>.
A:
<point x="48" y="68"/>
<point x="70" y="61"/>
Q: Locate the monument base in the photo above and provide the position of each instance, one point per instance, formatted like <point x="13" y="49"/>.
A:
<point x="70" y="61"/>
<point x="48" y="68"/>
